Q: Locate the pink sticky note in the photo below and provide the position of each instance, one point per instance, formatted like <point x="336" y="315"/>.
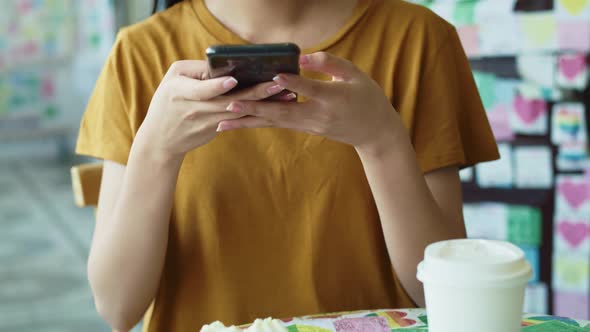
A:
<point x="500" y="123"/>
<point x="47" y="88"/>
<point x="469" y="35"/>
<point x="529" y="110"/>
<point x="24" y="6"/>
<point x="573" y="36"/>
<point x="572" y="65"/>
<point x="574" y="193"/>
<point x="573" y="305"/>
<point x="573" y="232"/>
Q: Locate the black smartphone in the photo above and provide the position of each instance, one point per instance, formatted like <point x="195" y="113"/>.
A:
<point x="253" y="64"/>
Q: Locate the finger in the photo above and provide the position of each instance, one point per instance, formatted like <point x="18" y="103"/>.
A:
<point x="198" y="108"/>
<point x="276" y="112"/>
<point x="304" y="86"/>
<point x="197" y="90"/>
<point x="257" y="92"/>
<point x="211" y="121"/>
<point x="197" y="69"/>
<point x="340" y="69"/>
<point x="245" y="122"/>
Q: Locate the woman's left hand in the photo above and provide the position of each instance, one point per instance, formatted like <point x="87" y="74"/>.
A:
<point x="351" y="108"/>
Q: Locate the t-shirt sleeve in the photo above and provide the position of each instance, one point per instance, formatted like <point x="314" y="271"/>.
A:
<point x="450" y="127"/>
<point x="105" y="129"/>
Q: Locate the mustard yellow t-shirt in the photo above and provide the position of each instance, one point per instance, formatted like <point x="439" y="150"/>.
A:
<point x="273" y="222"/>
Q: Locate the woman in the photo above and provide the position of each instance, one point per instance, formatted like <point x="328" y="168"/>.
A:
<point x="228" y="208"/>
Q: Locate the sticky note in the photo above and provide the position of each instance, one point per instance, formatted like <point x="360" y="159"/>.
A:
<point x="536" y="299"/>
<point x="572" y="71"/>
<point x="534" y="91"/>
<point x="498" y="173"/>
<point x="572" y="234"/>
<point x="524" y="225"/>
<point x="573" y="36"/>
<point x="537" y="68"/>
<point x="572" y="304"/>
<point x="486" y="85"/>
<point x="529" y="116"/>
<point x="466" y="174"/>
<point x="534" y="167"/>
<point x="469" y="36"/>
<point x="568" y="123"/>
<point x="572" y="195"/>
<point x="500" y="37"/>
<point x="506" y="90"/>
<point x="572" y="157"/>
<point x="499" y="118"/>
<point x="492" y="11"/>
<point x="571" y="273"/>
<point x="486" y="221"/>
<point x="531" y="254"/>
<point x="464" y="13"/>
<point x="539" y="31"/>
<point x="445" y="10"/>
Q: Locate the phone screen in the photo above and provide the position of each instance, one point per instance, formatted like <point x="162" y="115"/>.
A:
<point x="253" y="64"/>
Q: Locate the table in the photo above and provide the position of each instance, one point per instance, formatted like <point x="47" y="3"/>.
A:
<point x="410" y="320"/>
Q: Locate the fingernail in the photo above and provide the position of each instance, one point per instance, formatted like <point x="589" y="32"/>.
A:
<point x="235" y="107"/>
<point x="280" y="80"/>
<point x="223" y="127"/>
<point x="289" y="96"/>
<point x="230" y="83"/>
<point x="304" y="60"/>
<point x="273" y="90"/>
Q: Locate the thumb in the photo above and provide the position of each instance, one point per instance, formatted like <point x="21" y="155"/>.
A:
<point x="340" y="69"/>
<point x="196" y="69"/>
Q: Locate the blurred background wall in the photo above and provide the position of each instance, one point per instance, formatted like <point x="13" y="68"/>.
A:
<point x="530" y="62"/>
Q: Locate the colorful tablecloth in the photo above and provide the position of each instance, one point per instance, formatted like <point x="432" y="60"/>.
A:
<point x="411" y="320"/>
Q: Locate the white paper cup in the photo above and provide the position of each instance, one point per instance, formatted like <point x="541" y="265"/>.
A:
<point x="474" y="285"/>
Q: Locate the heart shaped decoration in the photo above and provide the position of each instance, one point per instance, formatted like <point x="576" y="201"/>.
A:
<point x="529" y="110"/>
<point x="575" y="194"/>
<point x="574" y="7"/>
<point x="574" y="233"/>
<point x="572" y="65"/>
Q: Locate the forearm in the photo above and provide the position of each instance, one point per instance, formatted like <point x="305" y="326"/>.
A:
<point x="129" y="244"/>
<point x="410" y="217"/>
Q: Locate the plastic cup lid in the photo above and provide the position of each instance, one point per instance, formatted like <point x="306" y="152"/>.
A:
<point x="474" y="263"/>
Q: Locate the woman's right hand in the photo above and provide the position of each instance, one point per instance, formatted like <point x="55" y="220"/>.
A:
<point x="187" y="107"/>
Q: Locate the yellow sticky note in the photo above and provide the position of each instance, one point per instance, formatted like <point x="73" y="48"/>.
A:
<point x="574" y="7"/>
<point x="539" y="30"/>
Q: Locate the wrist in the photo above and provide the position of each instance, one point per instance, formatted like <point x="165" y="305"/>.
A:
<point x="392" y="138"/>
<point x="143" y="148"/>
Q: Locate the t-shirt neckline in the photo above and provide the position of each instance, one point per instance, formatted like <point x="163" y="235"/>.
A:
<point x="223" y="35"/>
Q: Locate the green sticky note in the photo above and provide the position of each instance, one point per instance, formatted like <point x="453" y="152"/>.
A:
<point x="464" y="13"/>
<point x="524" y="225"/>
<point x="553" y="326"/>
<point x="95" y="40"/>
<point x="486" y="84"/>
<point x="51" y="112"/>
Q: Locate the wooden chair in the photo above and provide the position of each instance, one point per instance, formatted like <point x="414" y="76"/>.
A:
<point x="86" y="187"/>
